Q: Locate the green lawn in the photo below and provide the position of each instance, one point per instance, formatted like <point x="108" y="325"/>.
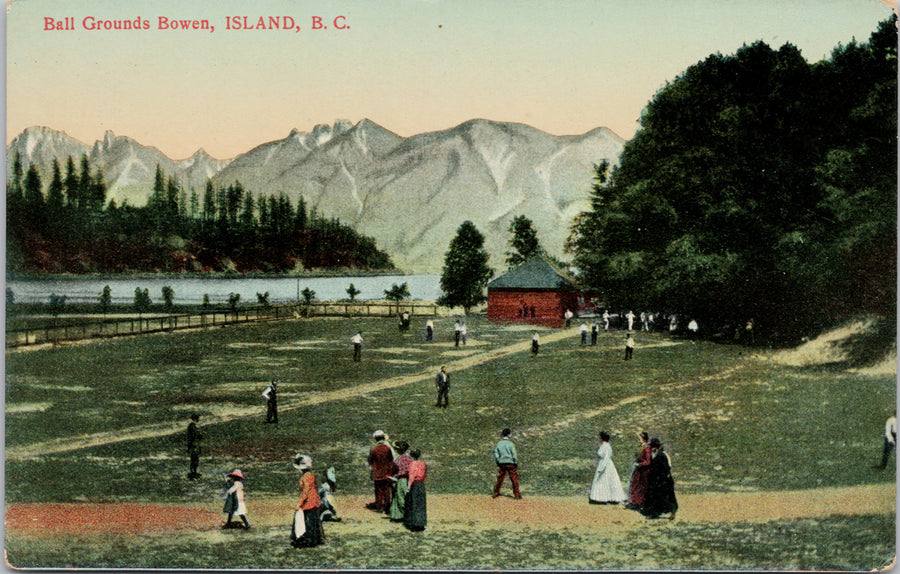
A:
<point x="731" y="418"/>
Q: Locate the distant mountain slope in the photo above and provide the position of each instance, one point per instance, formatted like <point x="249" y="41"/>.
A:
<point x="410" y="194"/>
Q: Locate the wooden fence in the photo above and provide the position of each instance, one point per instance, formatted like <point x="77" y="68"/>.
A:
<point x="160" y="323"/>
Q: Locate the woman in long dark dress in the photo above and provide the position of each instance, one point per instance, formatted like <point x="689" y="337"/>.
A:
<point x="306" y="531"/>
<point x="660" y="498"/>
<point x="416" y="516"/>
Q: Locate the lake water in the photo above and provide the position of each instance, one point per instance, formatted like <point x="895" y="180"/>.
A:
<point x="191" y="290"/>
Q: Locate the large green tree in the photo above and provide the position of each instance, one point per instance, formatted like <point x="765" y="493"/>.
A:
<point x="466" y="272"/>
<point x="524" y="242"/>
<point x="755" y="187"/>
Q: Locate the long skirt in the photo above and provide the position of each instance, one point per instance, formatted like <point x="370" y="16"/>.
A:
<point x="313" y="533"/>
<point x="416" y="515"/>
<point x="606" y="488"/>
<point x="398" y="502"/>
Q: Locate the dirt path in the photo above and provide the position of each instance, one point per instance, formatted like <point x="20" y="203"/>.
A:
<point x="66" y="444"/>
<point x="455" y="512"/>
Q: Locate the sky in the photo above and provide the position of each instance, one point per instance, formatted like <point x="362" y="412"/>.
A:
<point x="412" y="66"/>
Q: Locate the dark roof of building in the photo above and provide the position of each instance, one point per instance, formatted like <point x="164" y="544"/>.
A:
<point x="534" y="273"/>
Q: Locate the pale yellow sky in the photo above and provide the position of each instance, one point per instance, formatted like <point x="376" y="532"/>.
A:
<point x="412" y="66"/>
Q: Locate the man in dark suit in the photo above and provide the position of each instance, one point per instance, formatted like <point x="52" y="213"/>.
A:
<point x="442" y="382"/>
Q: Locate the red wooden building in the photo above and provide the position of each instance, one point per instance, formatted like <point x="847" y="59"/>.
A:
<point x="535" y="292"/>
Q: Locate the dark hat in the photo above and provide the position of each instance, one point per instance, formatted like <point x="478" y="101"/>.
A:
<point x="654" y="443"/>
<point x="195" y="417"/>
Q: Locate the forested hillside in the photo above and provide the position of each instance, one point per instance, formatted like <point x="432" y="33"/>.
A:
<point x="71" y="228"/>
<point x="759" y="186"/>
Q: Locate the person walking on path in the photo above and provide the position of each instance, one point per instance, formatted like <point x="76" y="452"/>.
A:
<point x="442" y="382"/>
<point x="507" y="459"/>
<point x="193" y="446"/>
<point x="594" y="332"/>
<point x="306" y="530"/>
<point x="568" y="316"/>
<point x="381" y="461"/>
<point x="357" y="341"/>
<point x="401" y="481"/>
<point x="271" y="396"/>
<point x="457" y="333"/>
<point x="535" y="345"/>
<point x="637" y="489"/>
<point x="606" y="320"/>
<point x="660" y="497"/>
<point x="629" y="346"/>
<point x="429" y="330"/>
<point x="606" y="488"/>
<point x="415" y="515"/>
<point x="583" y="330"/>
<point x="234" y="500"/>
<point x="463" y="333"/>
<point x="327" y="510"/>
<point x="890" y="440"/>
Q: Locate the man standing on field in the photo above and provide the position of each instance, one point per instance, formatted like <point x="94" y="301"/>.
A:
<point x="193" y="446"/>
<point x="442" y="382"/>
<point x="357" y="341"/>
<point x="507" y="460"/>
<point x="271" y="396"/>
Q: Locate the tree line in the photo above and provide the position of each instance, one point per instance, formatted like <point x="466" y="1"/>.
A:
<point x="759" y="186"/>
<point x="73" y="228"/>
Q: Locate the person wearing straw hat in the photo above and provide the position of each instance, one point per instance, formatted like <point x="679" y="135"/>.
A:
<point x="381" y="461"/>
<point x="306" y="530"/>
<point x="234" y="499"/>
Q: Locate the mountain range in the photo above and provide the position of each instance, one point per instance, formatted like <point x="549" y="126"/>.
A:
<point x="409" y="194"/>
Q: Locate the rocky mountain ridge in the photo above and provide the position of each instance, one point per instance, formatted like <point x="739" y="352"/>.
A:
<point x="410" y="194"/>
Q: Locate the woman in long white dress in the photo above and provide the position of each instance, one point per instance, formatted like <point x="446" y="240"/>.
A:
<point x="606" y="488"/>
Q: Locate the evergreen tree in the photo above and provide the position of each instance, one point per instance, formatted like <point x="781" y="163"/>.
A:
<point x="524" y="242"/>
<point x="70" y="183"/>
<point x="34" y="198"/>
<point x="15" y="188"/>
<point x="466" y="272"/>
<point x="55" y="195"/>
<point x="85" y="185"/>
<point x="300" y="219"/>
<point x="209" y="203"/>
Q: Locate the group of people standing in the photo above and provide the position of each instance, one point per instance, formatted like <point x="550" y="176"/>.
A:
<point x="651" y="489"/>
<point x="398" y="476"/>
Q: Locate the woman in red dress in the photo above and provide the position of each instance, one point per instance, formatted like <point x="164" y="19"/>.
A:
<point x="307" y="528"/>
<point x="640" y="475"/>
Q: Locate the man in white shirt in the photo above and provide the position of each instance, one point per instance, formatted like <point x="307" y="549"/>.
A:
<point x="357" y="346"/>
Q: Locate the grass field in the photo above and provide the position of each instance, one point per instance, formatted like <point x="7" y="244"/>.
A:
<point x="734" y="420"/>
